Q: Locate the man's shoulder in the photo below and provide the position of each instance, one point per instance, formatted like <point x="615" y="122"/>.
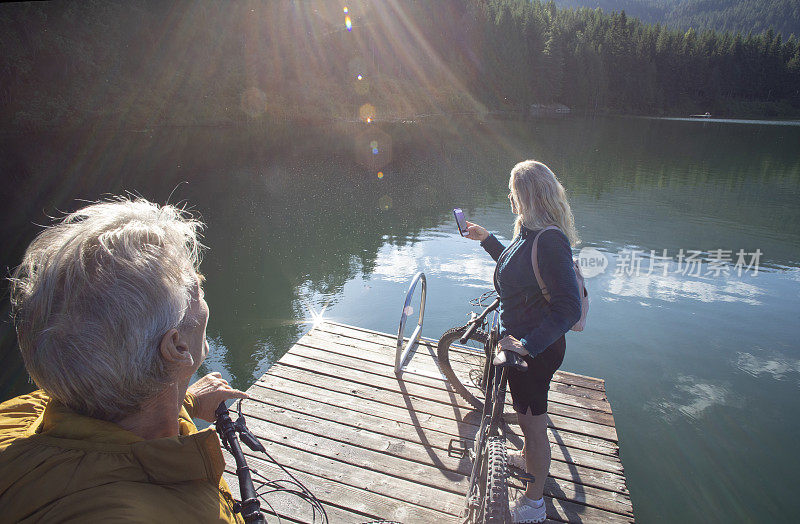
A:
<point x="130" y="501"/>
<point x="58" y="485"/>
<point x="35" y="400"/>
<point x="19" y="416"/>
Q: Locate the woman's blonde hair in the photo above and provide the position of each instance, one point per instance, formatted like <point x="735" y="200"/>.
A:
<point x="540" y="200"/>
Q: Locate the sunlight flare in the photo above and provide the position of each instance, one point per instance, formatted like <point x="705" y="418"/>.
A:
<point x="316" y="317"/>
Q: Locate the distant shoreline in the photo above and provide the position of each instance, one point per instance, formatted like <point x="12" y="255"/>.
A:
<point x="794" y="122"/>
<point x="495" y="115"/>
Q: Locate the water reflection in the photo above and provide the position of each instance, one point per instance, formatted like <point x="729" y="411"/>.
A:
<point x="433" y="254"/>
<point x="769" y="364"/>
<point x="692" y="397"/>
<point x="671" y="288"/>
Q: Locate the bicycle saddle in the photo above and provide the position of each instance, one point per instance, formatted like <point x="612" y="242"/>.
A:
<point x="510" y="359"/>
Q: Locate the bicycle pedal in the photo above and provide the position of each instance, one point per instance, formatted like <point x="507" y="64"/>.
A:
<point x="525" y="478"/>
<point x="457" y="448"/>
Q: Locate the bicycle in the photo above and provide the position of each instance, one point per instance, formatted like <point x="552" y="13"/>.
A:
<point x="487" y="496"/>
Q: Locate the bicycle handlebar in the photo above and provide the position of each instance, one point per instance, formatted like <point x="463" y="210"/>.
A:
<point x="229" y="434"/>
<point x="479" y="320"/>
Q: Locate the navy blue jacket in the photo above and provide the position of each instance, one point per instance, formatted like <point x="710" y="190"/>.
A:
<point x="524" y="312"/>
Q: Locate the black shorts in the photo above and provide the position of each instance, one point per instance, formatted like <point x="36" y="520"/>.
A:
<point x="529" y="388"/>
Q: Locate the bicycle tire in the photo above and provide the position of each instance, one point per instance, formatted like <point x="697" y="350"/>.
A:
<point x="495" y="507"/>
<point x="443" y="354"/>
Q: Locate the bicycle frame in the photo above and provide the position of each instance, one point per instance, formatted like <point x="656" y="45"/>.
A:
<point x="491" y="418"/>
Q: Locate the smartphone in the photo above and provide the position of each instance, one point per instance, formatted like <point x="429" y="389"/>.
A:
<point x="461" y="221"/>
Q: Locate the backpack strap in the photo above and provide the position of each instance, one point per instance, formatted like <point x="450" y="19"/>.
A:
<point x="535" y="262"/>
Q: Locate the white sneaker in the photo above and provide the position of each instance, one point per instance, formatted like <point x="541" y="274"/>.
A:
<point x="515" y="458"/>
<point x="524" y="510"/>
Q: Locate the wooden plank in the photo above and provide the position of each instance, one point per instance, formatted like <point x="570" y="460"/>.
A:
<point x="342" y="501"/>
<point x="577" y="384"/>
<point x="333" y="461"/>
<point x="559" y="404"/>
<point x="428" y="349"/>
<point x="292" y="508"/>
<point x="588" y="455"/>
<point x="600" y="479"/>
<point x="389" y="341"/>
<point x="617" y="482"/>
<point x="431" y="407"/>
<point x="562" y="393"/>
<point x="398" y="444"/>
<point x="360" y="371"/>
<point x="344" y="414"/>
<point x="375" y="508"/>
<point x="448" y="429"/>
<point x="447" y="424"/>
<point x="451" y="486"/>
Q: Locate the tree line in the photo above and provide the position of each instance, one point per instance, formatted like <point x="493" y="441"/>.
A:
<point x="592" y="60"/>
<point x="144" y="63"/>
<point x="745" y="16"/>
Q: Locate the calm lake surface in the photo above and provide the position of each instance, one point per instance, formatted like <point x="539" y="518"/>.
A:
<point x="702" y="370"/>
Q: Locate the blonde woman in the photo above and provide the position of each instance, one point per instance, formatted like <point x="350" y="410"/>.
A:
<point x="529" y="325"/>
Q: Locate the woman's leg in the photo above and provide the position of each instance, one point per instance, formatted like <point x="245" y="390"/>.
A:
<point x="536" y="451"/>
<point x="529" y="392"/>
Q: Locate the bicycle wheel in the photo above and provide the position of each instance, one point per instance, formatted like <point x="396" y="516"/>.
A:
<point x="469" y="363"/>
<point x="495" y="502"/>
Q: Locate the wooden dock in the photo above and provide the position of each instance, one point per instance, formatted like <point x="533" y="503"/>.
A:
<point x="372" y="447"/>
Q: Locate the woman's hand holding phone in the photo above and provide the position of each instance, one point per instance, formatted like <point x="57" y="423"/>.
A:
<point x="476" y="232"/>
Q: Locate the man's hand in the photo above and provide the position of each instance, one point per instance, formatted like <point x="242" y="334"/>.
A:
<point x="209" y="392"/>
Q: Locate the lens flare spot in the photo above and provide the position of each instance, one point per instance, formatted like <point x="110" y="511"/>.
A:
<point x="385" y="203"/>
<point x="380" y="174"/>
<point x="253" y="102"/>
<point x="408" y="310"/>
<point x="367" y="112"/>
<point x="372" y="148"/>
<point x="348" y="24"/>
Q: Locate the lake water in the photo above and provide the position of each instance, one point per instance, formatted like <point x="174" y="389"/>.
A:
<point x="701" y="361"/>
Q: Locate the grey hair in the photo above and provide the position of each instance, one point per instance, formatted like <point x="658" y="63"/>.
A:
<point x="93" y="297"/>
<point x="540" y="200"/>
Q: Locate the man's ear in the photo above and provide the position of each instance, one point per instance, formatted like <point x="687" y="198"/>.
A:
<point x="174" y="349"/>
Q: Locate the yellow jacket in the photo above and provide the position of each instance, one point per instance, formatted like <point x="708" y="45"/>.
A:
<point x="58" y="466"/>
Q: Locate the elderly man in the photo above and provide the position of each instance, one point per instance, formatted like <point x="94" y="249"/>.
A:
<point x="111" y="322"/>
